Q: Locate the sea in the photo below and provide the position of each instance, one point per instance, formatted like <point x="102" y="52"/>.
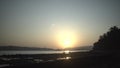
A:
<point x="37" y="52"/>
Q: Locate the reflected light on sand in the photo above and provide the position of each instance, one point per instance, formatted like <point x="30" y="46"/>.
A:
<point x="64" y="58"/>
<point x="67" y="58"/>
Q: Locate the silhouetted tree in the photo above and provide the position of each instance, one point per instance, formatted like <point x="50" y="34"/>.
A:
<point x="109" y="41"/>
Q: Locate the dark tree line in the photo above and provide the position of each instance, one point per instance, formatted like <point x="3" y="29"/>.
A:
<point x="109" y="41"/>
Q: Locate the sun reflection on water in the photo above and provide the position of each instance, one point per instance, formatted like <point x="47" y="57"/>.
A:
<point x="66" y="55"/>
<point x="67" y="52"/>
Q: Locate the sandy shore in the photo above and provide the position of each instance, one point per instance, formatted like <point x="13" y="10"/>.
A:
<point x="72" y="60"/>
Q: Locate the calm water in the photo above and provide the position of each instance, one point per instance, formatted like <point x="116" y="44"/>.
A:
<point x="36" y="52"/>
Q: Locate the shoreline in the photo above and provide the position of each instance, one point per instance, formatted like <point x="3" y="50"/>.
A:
<point x="77" y="60"/>
<point x="37" y="52"/>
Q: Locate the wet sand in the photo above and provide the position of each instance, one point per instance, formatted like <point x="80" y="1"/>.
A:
<point x="75" y="60"/>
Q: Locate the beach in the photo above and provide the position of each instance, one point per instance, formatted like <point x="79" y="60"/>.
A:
<point x="72" y="60"/>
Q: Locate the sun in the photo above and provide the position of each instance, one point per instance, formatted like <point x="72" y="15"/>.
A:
<point x="67" y="42"/>
<point x="66" y="39"/>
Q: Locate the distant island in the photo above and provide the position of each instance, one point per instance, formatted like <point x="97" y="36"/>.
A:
<point x="10" y="47"/>
<point x="3" y="48"/>
<point x="89" y="47"/>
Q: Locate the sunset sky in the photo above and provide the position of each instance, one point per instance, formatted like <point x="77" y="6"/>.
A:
<point x="56" y="23"/>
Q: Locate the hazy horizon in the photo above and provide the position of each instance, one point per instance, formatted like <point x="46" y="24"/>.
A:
<point x="56" y="23"/>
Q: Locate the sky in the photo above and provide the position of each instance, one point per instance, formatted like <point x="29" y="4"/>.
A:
<point x="56" y="23"/>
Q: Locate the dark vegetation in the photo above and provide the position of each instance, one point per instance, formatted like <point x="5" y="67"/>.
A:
<point x="110" y="41"/>
<point x="105" y="54"/>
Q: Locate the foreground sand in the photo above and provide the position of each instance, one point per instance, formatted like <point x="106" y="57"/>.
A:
<point x="77" y="60"/>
